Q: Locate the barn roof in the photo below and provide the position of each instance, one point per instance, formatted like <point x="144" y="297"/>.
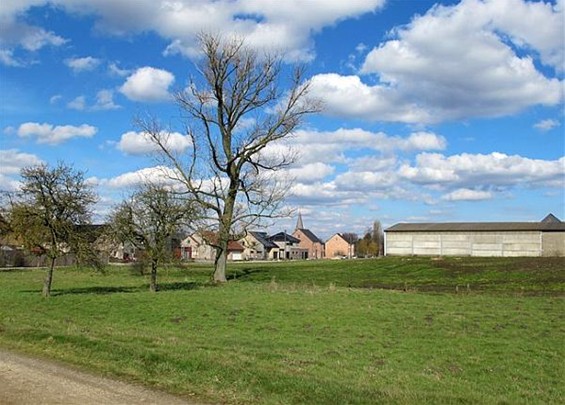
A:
<point x="478" y="227"/>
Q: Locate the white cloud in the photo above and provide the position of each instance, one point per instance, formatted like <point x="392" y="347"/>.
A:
<point x="348" y="96"/>
<point x="7" y="58"/>
<point x="82" y="64"/>
<point x="105" y="100"/>
<point x="115" y="70"/>
<point x="154" y="175"/>
<point x="268" y="24"/>
<point x="55" y="99"/>
<point x="478" y="170"/>
<point x="17" y="35"/>
<point x="465" y="194"/>
<point x="547" y="125"/>
<point x="311" y="172"/>
<point x="78" y="103"/>
<point x="425" y="75"/>
<point x="13" y="161"/>
<point x="139" y="143"/>
<point x="148" y="84"/>
<point x="333" y="146"/>
<point x="53" y="135"/>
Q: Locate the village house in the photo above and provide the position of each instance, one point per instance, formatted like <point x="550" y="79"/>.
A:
<point x="198" y="247"/>
<point x="502" y="239"/>
<point x="288" y="247"/>
<point x="339" y="247"/>
<point x="258" y="246"/>
<point x="309" y="241"/>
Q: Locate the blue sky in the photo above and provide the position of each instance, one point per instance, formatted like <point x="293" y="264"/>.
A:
<point x="433" y="111"/>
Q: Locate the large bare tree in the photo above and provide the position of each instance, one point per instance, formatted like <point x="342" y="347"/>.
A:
<point x="148" y="220"/>
<point x="49" y="212"/>
<point x="240" y="105"/>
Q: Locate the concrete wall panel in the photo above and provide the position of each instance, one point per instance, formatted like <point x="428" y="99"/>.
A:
<point x="553" y="243"/>
<point x="476" y="244"/>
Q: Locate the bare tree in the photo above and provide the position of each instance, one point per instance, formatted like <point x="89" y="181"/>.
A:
<point x="48" y="211"/>
<point x="148" y="220"/>
<point x="232" y="114"/>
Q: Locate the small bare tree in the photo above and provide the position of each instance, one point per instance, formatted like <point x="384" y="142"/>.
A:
<point x="48" y="213"/>
<point x="237" y="109"/>
<point x="148" y="220"/>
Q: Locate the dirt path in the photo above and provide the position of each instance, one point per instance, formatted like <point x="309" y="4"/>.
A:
<point x="25" y="380"/>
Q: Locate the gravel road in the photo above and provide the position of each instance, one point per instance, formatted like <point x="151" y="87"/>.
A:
<point x="26" y="380"/>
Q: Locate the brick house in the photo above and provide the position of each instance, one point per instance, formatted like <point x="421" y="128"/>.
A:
<point x="338" y="246"/>
<point x="309" y="241"/>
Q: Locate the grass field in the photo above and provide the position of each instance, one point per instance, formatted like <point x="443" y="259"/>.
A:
<point x="393" y="330"/>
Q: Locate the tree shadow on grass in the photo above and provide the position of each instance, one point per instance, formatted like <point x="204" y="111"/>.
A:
<point x="104" y="290"/>
<point x="97" y="290"/>
<point x="180" y="285"/>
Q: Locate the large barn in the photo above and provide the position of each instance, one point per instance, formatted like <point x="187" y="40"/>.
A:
<point x="502" y="239"/>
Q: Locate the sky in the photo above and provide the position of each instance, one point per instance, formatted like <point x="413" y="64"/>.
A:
<point x="434" y="111"/>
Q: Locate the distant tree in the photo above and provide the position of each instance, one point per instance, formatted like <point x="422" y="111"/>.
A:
<point x="372" y="243"/>
<point x="148" y="220"/>
<point x="378" y="237"/>
<point x="238" y="108"/>
<point x="47" y="213"/>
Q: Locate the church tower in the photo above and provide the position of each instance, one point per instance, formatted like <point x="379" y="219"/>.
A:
<point x="299" y="224"/>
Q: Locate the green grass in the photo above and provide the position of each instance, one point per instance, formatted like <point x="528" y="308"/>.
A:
<point x="394" y="330"/>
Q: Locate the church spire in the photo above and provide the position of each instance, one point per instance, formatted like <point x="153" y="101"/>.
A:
<point x="299" y="224"/>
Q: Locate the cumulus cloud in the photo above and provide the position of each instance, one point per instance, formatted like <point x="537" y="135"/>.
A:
<point x="53" y="135"/>
<point x="310" y="172"/>
<point x="273" y="25"/>
<point x="82" y="64"/>
<point x="78" y="103"/>
<point x="148" y="84"/>
<point x="466" y="194"/>
<point x="476" y="170"/>
<point x="139" y="143"/>
<point x="425" y="75"/>
<point x="16" y="35"/>
<point x="155" y="175"/>
<point x="546" y="125"/>
<point x="105" y="100"/>
<point x="13" y="161"/>
<point x="333" y="146"/>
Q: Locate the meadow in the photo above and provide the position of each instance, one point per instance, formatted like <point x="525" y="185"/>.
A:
<point x="390" y="330"/>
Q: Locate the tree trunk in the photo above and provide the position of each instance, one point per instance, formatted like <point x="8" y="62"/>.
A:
<point x="153" y="282"/>
<point x="220" y="264"/>
<point x="224" y="233"/>
<point x="49" y="279"/>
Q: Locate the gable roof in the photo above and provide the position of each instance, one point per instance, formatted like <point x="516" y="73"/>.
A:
<point x="310" y="235"/>
<point x="235" y="246"/>
<point x="283" y="237"/>
<point x="263" y="239"/>
<point x="477" y="227"/>
<point x="551" y="219"/>
<point x="340" y="235"/>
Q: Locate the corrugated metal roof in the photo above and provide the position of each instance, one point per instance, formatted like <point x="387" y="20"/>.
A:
<point x="478" y="227"/>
